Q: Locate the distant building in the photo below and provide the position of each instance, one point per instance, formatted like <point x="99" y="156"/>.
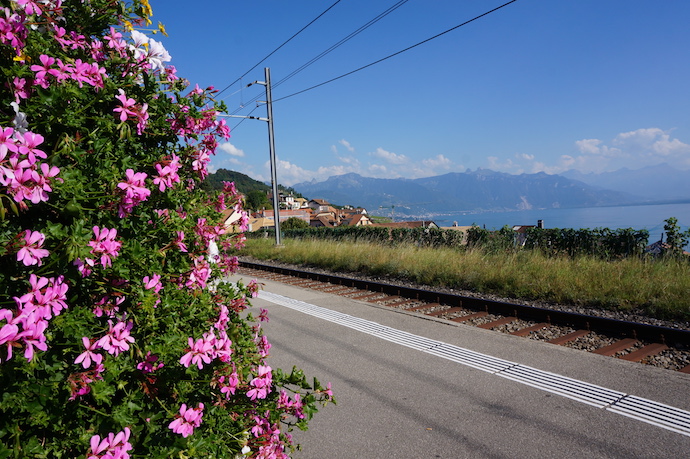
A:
<point x="412" y="224"/>
<point x="356" y="220"/>
<point x="302" y="214"/>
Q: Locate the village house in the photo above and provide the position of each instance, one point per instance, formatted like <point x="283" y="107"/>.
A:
<point x="230" y="219"/>
<point x="284" y="214"/>
<point x="356" y="220"/>
<point x="258" y="223"/>
<point x="319" y="205"/>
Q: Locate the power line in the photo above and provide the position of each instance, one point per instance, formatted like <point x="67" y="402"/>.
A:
<point x="283" y="44"/>
<point x="243" y="119"/>
<point x="333" y="47"/>
<point x="395" y="54"/>
<point x="343" y="41"/>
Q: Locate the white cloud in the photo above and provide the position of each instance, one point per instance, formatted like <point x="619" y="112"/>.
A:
<point x="351" y="160"/>
<point x="638" y="148"/>
<point x="507" y="165"/>
<point x="347" y="145"/>
<point x="595" y="147"/>
<point x="230" y="149"/>
<point x="633" y="149"/>
<point x="438" y="162"/>
<point x="380" y="171"/>
<point x="651" y="142"/>
<point x="288" y="173"/>
<point x="389" y="157"/>
<point x="589" y="146"/>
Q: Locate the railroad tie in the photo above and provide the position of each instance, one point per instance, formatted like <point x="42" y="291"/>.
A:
<point x="528" y="330"/>
<point x="618" y="346"/>
<point x="444" y="311"/>
<point x="470" y="316"/>
<point x="387" y="298"/>
<point x="399" y="302"/>
<point x="422" y="307"/>
<point x="365" y="295"/>
<point x="646" y="351"/>
<point x="496" y="323"/>
<point x="561" y="340"/>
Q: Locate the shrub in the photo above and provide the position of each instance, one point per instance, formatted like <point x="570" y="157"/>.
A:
<point x="117" y="336"/>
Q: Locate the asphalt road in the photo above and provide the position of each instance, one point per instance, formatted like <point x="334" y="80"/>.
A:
<point x="398" y="402"/>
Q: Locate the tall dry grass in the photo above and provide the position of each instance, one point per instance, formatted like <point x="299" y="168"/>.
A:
<point x="659" y="288"/>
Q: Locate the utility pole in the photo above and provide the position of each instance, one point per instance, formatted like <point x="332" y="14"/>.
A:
<point x="272" y="152"/>
<point x="271" y="146"/>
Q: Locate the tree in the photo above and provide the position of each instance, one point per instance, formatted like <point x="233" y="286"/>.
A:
<point x="116" y="335"/>
<point x="675" y="238"/>
<point x="294" y="223"/>
<point x="257" y="200"/>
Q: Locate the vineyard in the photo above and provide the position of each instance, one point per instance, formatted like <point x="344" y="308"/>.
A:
<point x="602" y="243"/>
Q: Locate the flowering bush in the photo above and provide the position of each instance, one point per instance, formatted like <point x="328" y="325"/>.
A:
<point x="117" y="337"/>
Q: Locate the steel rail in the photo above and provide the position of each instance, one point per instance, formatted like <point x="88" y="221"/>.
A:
<point x="616" y="327"/>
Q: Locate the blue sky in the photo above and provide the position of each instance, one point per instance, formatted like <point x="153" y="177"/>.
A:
<point x="539" y="85"/>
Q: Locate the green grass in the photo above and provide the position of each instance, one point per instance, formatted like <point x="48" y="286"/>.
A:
<point x="659" y="288"/>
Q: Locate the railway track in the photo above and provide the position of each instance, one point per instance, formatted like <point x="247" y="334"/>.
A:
<point x="636" y="342"/>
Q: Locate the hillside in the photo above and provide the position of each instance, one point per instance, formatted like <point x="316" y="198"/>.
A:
<point x="244" y="183"/>
<point x="480" y="190"/>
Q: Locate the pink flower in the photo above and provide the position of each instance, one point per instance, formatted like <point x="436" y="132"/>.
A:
<point x="33" y="336"/>
<point x="105" y="245"/>
<point x="188" y="419"/>
<point x="7" y="142"/>
<point x="261" y="385"/>
<point x="31" y="252"/>
<point x="200" y="353"/>
<point x="20" y="89"/>
<point x="43" y="70"/>
<point x="328" y="391"/>
<point x="167" y="173"/>
<point x="47" y="297"/>
<point x="289" y="406"/>
<point x="86" y="357"/>
<point x="125" y="108"/>
<point x="85" y="267"/>
<point x="148" y="365"/>
<point x="111" y="447"/>
<point x="30" y="7"/>
<point x="179" y="241"/>
<point x="228" y="385"/>
<point x="9" y="333"/>
<point x="130" y="109"/>
<point x="27" y="146"/>
<point x="153" y="282"/>
<point x="115" y="40"/>
<point x="117" y="339"/>
<point x="134" y="192"/>
<point x="142" y="116"/>
<point x="199" y="274"/>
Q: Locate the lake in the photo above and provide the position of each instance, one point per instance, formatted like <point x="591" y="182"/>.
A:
<point x="649" y="217"/>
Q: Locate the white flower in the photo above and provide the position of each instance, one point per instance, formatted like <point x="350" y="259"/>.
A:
<point x="20" y="123"/>
<point x="157" y="54"/>
<point x="140" y="43"/>
<point x="139" y="38"/>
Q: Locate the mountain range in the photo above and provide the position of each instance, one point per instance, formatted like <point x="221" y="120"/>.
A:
<point x="659" y="182"/>
<point x="487" y="190"/>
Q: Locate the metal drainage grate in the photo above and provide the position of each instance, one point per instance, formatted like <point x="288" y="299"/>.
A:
<point x="651" y="412"/>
